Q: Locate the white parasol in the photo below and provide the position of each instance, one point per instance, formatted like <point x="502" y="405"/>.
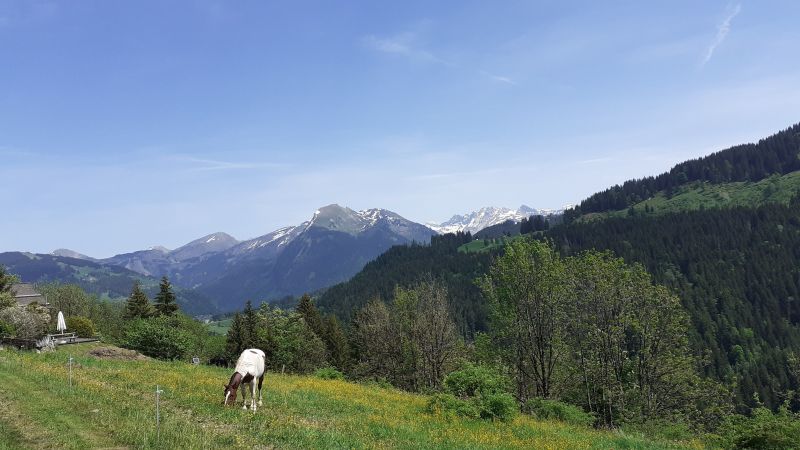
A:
<point x="61" y="326"/>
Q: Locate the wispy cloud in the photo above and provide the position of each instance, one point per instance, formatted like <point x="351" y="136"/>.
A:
<point x="404" y="44"/>
<point x="407" y="44"/>
<point x="722" y="32"/>
<point x="202" y="164"/>
<point x="498" y="78"/>
<point x="13" y="151"/>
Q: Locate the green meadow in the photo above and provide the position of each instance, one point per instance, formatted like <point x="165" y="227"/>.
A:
<point x="112" y="405"/>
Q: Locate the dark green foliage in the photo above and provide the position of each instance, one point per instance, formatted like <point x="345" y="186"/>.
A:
<point x="288" y="341"/>
<point x="750" y="162"/>
<point x="70" y="299"/>
<point x="448" y="405"/>
<point x="413" y="343"/>
<point x="405" y="266"/>
<point x="6" y="280"/>
<point x="328" y="373"/>
<point x="737" y="272"/>
<point x="554" y="410"/>
<point x="158" y="337"/>
<point x="762" y="430"/>
<point x="7" y="329"/>
<point x="501" y="406"/>
<point x="475" y="380"/>
<point x="82" y="326"/>
<point x="234" y="342"/>
<point x="475" y="392"/>
<point x="165" y="301"/>
<point x="138" y="305"/>
<point x="309" y="312"/>
<point x="336" y="342"/>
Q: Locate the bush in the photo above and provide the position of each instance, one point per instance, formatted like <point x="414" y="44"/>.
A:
<point x="329" y="373"/>
<point x="82" y="326"/>
<point x="6" y="329"/>
<point x="763" y="430"/>
<point x="449" y="405"/>
<point x="28" y="322"/>
<point x="475" y="392"/>
<point x="473" y="380"/>
<point x="157" y="337"/>
<point x="554" y="410"/>
<point x="501" y="406"/>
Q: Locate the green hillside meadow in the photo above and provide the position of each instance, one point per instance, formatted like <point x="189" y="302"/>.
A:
<point x="111" y="404"/>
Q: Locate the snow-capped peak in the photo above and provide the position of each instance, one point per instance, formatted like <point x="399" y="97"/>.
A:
<point x="485" y="217"/>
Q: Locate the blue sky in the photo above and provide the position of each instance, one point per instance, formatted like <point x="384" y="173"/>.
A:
<point x="125" y="125"/>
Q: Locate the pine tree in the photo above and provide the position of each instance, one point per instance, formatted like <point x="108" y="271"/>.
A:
<point x="138" y="305"/>
<point x="234" y="342"/>
<point x="249" y="326"/>
<point x="166" y="303"/>
<point x="310" y="314"/>
<point x="336" y="342"/>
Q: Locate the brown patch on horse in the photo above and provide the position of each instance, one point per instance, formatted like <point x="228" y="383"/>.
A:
<point x="232" y="386"/>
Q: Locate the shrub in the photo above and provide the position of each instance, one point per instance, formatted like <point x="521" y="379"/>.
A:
<point x="6" y="329"/>
<point x="500" y="406"/>
<point x="449" y="405"/>
<point x="762" y="429"/>
<point x="28" y="322"/>
<point x="329" y="373"/>
<point x="158" y="337"/>
<point x="82" y="326"/>
<point x="475" y="392"/>
<point x="555" y="410"/>
<point x="473" y="380"/>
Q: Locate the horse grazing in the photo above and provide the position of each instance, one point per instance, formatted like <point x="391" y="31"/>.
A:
<point x="249" y="367"/>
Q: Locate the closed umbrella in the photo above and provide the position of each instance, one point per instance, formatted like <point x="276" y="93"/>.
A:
<point x="61" y="326"/>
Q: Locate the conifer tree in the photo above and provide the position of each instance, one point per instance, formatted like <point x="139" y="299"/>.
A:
<point x="311" y="315"/>
<point x="249" y="326"/>
<point x="336" y="342"/>
<point x="138" y="305"/>
<point x="234" y="342"/>
<point x="165" y="302"/>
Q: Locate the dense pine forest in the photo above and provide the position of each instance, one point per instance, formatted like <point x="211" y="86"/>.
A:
<point x="406" y="265"/>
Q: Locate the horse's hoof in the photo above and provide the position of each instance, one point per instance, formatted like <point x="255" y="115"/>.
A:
<point x="260" y="403"/>
<point x="244" y="408"/>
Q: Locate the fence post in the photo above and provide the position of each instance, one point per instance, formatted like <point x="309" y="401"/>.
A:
<point x="158" y="414"/>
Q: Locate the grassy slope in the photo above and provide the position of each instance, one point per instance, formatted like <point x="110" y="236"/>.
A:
<point x="112" y="404"/>
<point x="220" y="327"/>
<point x="695" y="196"/>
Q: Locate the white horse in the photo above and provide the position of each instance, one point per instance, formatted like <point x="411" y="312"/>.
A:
<point x="249" y="367"/>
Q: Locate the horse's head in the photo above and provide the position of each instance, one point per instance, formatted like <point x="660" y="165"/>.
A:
<point x="230" y="395"/>
<point x="230" y="389"/>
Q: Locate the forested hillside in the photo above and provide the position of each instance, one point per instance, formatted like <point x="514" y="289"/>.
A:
<point x="405" y="266"/>
<point x="736" y="272"/>
<point x="722" y="232"/>
<point x="777" y="154"/>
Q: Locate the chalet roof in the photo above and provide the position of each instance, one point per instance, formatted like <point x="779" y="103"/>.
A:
<point x="25" y="294"/>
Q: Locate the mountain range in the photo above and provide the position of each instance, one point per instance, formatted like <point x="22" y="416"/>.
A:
<point x="488" y="216"/>
<point x="217" y="272"/>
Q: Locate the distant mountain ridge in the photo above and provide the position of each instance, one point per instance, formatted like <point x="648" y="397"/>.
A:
<point x="488" y="216"/>
<point x="334" y="244"/>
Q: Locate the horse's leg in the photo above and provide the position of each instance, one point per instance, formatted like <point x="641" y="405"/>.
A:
<point x="253" y="395"/>
<point x="260" y="380"/>
<point x="244" y="395"/>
